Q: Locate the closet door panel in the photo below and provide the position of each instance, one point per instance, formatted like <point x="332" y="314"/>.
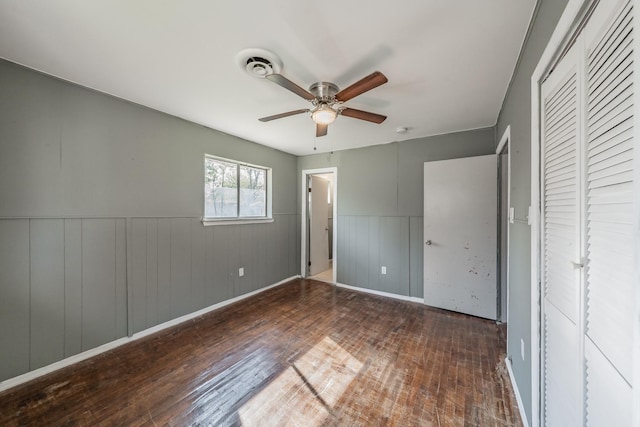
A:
<point x="609" y="196"/>
<point x="562" y="375"/>
<point x="610" y="397"/>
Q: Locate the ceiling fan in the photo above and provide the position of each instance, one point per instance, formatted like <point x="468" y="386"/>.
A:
<point x="328" y="101"/>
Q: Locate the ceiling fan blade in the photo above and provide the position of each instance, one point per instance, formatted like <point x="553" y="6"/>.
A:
<point x="281" y="115"/>
<point x="321" y="130"/>
<point x="281" y="80"/>
<point x="363" y="115"/>
<point x="373" y="80"/>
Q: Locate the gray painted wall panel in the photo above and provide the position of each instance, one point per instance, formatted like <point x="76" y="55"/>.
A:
<point x="198" y="242"/>
<point x="14" y="304"/>
<point x="353" y="249"/>
<point x="180" y="266"/>
<point x="262" y="247"/>
<point x="233" y="246"/>
<point x="394" y="244"/>
<point x="121" y="277"/>
<point x="72" y="287"/>
<point x="343" y="250"/>
<point x="294" y="245"/>
<point x="368" y="243"/>
<point x="416" y="254"/>
<point x="277" y="233"/>
<point x="139" y="273"/>
<point x="298" y="262"/>
<point x="209" y="257"/>
<point x="152" y="271"/>
<point x="98" y="282"/>
<point x="164" y="269"/>
<point x="47" y="291"/>
<point x="247" y="258"/>
<point x="212" y="269"/>
<point x="222" y="284"/>
<point x="374" y="253"/>
<point x="361" y="252"/>
<point x="385" y="254"/>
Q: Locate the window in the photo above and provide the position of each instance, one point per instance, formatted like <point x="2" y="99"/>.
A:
<point x="235" y="190"/>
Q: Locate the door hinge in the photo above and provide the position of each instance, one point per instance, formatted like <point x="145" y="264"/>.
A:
<point x="309" y="263"/>
<point x="309" y="190"/>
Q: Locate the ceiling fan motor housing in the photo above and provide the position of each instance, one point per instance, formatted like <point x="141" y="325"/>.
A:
<point x="325" y="91"/>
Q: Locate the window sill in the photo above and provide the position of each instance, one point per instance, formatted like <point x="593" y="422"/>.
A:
<point x="236" y="221"/>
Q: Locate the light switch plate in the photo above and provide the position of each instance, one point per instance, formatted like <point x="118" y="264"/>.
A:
<point x="383" y="270"/>
<point x="241" y="271"/>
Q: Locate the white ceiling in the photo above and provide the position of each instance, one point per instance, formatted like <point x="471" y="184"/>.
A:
<point x="449" y="62"/>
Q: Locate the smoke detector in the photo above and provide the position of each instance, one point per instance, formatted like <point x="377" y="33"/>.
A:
<point x="259" y="63"/>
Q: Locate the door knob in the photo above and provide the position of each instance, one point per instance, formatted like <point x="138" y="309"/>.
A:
<point x="428" y="243"/>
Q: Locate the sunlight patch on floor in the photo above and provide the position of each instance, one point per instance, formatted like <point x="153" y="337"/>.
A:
<point x="311" y="387"/>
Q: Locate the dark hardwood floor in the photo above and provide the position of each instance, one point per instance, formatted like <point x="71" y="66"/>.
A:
<point x="305" y="353"/>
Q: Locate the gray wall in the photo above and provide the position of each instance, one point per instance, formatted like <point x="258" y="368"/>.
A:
<point x="100" y="231"/>
<point x="516" y="111"/>
<point x="380" y="204"/>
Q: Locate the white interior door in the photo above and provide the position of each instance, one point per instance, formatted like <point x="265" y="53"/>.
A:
<point x="460" y="235"/>
<point x="319" y="225"/>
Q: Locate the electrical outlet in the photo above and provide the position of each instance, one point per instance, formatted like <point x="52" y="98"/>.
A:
<point x="241" y="271"/>
<point x="383" y="270"/>
<point x="522" y="348"/>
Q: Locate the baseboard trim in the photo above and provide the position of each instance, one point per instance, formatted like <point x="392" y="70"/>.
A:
<point x="31" y="375"/>
<point x="523" y="414"/>
<point x="381" y="293"/>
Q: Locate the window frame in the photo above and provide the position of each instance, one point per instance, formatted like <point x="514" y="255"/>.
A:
<point x="237" y="219"/>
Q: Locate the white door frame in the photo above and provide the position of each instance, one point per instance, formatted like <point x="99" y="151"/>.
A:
<point x="303" y="223"/>
<point x="506" y="141"/>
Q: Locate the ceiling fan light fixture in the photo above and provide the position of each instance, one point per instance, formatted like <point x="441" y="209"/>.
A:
<point x="324" y="115"/>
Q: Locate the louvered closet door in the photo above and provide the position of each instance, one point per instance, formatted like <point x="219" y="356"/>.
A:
<point x="609" y="216"/>
<point x="561" y="243"/>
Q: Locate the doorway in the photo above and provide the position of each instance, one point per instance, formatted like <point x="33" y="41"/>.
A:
<point x="319" y="224"/>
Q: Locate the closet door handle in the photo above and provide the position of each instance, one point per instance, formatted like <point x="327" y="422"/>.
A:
<point x="577" y="265"/>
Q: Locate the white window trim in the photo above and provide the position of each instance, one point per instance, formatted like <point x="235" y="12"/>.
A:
<point x="268" y="218"/>
<point x="236" y="221"/>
